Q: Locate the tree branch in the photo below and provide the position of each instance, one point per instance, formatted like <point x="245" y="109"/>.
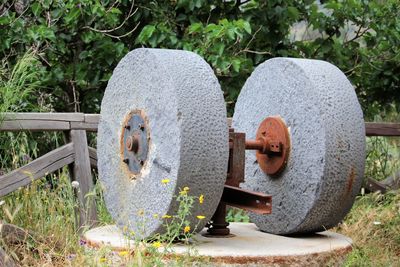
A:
<point x="130" y="14"/>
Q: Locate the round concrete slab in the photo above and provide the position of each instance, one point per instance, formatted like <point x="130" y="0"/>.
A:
<point x="248" y="246"/>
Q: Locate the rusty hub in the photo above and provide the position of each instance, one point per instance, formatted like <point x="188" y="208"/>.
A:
<point x="272" y="144"/>
<point x="135" y="141"/>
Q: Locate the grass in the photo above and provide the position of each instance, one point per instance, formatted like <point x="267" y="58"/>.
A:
<point x="17" y="83"/>
<point x="48" y="213"/>
<point x="374" y="226"/>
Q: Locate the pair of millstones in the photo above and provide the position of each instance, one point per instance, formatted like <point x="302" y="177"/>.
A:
<point x="163" y="117"/>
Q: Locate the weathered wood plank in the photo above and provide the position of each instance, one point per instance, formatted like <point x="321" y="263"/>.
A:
<point x="34" y="125"/>
<point x="92" y="118"/>
<point x="38" y="168"/>
<point x="45" y="116"/>
<point x="390" y="183"/>
<point x="382" y="129"/>
<point x="93" y="157"/>
<point x="373" y="185"/>
<point x="5" y="260"/>
<point x="83" y="174"/>
<point x="87" y="126"/>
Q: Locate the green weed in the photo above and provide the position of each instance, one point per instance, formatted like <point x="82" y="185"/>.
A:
<point x="374" y="226"/>
<point x="17" y="83"/>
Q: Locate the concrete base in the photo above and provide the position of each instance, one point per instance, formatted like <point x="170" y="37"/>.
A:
<point x="248" y="246"/>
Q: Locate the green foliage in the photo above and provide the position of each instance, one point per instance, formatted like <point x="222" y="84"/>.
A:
<point x="237" y="215"/>
<point x="74" y="45"/>
<point x="17" y="83"/>
<point x="80" y="42"/>
<point x="369" y="53"/>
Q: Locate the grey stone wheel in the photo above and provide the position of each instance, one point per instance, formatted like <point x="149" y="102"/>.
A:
<point x="163" y="117"/>
<point x="326" y="162"/>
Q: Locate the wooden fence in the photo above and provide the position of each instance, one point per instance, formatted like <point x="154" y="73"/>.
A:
<point x="76" y="153"/>
<point x="81" y="158"/>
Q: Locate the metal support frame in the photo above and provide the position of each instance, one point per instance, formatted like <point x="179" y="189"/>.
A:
<point x="233" y="195"/>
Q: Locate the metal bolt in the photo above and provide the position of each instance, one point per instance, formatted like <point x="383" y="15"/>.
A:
<point x="132" y="143"/>
<point x="126" y="161"/>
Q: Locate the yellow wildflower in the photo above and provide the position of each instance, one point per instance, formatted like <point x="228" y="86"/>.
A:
<point x="155" y="215"/>
<point x="201" y="199"/>
<point x="166" y="216"/>
<point x="184" y="190"/>
<point x="103" y="259"/>
<point x="165" y="181"/>
<point x="123" y="253"/>
<point x="186" y="229"/>
<point x="200" y="217"/>
<point x="157" y="244"/>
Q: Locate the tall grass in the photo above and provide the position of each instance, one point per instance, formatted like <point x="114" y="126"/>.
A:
<point x="374" y="226"/>
<point x="383" y="153"/>
<point x="374" y="221"/>
<point x="17" y="85"/>
<point x="18" y="82"/>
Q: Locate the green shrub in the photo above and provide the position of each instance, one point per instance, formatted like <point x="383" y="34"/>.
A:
<point x="80" y="42"/>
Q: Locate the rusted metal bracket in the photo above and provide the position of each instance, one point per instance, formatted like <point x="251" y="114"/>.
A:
<point x="247" y="200"/>
<point x="236" y="158"/>
<point x="240" y="198"/>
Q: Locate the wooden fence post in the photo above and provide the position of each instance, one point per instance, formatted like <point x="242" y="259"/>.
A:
<point x="81" y="172"/>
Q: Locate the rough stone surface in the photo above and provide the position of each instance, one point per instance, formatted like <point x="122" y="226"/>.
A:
<point x="186" y="115"/>
<point x="249" y="247"/>
<point x="326" y="126"/>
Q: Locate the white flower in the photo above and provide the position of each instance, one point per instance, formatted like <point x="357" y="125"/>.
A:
<point x="75" y="184"/>
<point x="377" y="223"/>
<point x="2" y="202"/>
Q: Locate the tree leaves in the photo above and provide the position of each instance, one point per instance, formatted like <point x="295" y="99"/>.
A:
<point x="80" y="41"/>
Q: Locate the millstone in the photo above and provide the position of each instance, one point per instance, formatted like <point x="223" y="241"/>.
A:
<point x="169" y="105"/>
<point x="326" y="163"/>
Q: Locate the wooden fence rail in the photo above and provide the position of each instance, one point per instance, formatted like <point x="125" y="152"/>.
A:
<point x="81" y="158"/>
<point x="76" y="154"/>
